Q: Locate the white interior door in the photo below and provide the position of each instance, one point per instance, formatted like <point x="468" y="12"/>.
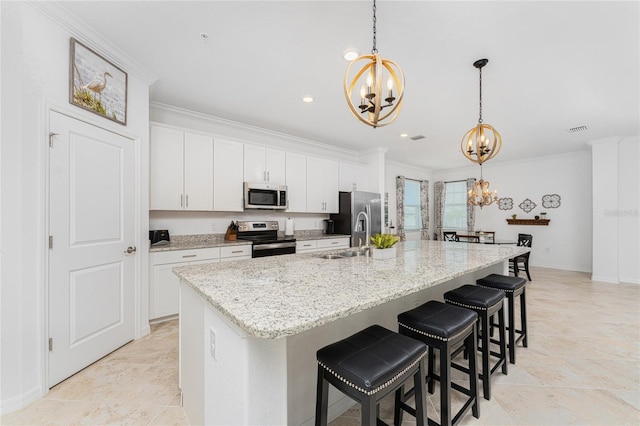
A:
<point x="91" y="273"/>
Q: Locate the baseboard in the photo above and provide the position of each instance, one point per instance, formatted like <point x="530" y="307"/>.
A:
<point x="603" y="279"/>
<point x="628" y="280"/>
<point x="16" y="403"/>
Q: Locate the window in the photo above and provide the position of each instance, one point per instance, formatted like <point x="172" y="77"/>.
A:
<point x="412" y="217"/>
<point x="455" y="205"/>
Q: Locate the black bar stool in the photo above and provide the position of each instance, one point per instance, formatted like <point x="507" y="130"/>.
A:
<point x="485" y="302"/>
<point x="446" y="328"/>
<point x="512" y="287"/>
<point x="369" y="365"/>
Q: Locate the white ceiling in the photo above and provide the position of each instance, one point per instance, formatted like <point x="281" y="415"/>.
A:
<point x="552" y="66"/>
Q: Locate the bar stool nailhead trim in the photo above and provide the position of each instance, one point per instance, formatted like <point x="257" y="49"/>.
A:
<point x="382" y="386"/>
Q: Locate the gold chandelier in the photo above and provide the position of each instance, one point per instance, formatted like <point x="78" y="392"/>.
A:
<point x="368" y="106"/>
<point x="481" y="195"/>
<point x="482" y="142"/>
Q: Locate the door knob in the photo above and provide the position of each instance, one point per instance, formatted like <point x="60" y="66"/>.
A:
<point x="130" y="250"/>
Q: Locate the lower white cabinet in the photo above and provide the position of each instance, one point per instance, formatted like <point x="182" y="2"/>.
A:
<point x="164" y="288"/>
<point x="334" y="243"/>
<point x="308" y="246"/>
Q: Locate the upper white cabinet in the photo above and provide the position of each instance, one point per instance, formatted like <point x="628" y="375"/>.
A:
<point x="263" y="164"/>
<point x="296" y="180"/>
<point x="353" y="177"/>
<point x="181" y="170"/>
<point x="227" y="176"/>
<point x="322" y="185"/>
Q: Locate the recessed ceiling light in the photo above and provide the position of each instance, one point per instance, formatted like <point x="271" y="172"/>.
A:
<point x="307" y="99"/>
<point x="350" y="55"/>
<point x="404" y="135"/>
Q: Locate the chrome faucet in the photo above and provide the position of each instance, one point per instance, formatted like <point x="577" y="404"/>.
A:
<point x="367" y="225"/>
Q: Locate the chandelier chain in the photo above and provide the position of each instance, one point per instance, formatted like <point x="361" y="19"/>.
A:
<point x="374" y="50"/>
<point x="480" y="118"/>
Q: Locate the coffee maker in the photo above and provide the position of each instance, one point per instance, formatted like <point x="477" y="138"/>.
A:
<point x="329" y="226"/>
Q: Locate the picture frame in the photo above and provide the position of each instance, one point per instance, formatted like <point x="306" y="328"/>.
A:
<point x="96" y="84"/>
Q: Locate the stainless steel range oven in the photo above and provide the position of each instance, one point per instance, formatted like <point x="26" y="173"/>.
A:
<point x="265" y="239"/>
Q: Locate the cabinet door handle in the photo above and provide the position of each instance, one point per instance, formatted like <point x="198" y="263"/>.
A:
<point x="187" y="198"/>
<point x="335" y="242"/>
<point x="189" y="255"/>
<point x="181" y="200"/>
<point x="236" y="251"/>
<point x="268" y="176"/>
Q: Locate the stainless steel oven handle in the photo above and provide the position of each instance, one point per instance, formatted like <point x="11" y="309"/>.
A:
<point x="273" y="246"/>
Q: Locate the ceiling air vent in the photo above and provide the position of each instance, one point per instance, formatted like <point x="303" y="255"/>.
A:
<point x="417" y="138"/>
<point x="577" y="129"/>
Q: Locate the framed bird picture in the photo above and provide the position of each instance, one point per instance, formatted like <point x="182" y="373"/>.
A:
<point x="97" y="85"/>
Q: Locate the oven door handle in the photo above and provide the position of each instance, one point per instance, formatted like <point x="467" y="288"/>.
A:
<point x="273" y="246"/>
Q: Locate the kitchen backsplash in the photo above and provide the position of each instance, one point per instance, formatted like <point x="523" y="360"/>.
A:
<point x="192" y="223"/>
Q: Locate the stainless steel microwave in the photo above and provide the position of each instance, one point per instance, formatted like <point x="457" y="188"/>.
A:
<point x="266" y="196"/>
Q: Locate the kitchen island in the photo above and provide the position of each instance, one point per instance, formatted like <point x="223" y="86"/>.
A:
<point x="249" y="330"/>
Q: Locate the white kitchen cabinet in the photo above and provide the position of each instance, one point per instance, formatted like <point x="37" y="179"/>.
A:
<point x="263" y="164"/>
<point x="181" y="170"/>
<point x="306" y="246"/>
<point x="296" y="180"/>
<point x="164" y="288"/>
<point x="353" y="177"/>
<point x="333" y="243"/>
<point x="322" y="185"/>
<point x="309" y="246"/>
<point x="234" y="253"/>
<point x="227" y="176"/>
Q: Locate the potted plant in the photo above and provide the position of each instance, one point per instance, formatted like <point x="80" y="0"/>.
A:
<point x="513" y="216"/>
<point x="383" y="246"/>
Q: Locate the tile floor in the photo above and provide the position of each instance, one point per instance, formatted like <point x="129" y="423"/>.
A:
<point x="582" y="367"/>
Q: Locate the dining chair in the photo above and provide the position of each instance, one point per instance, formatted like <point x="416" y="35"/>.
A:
<point x="450" y="236"/>
<point x="521" y="263"/>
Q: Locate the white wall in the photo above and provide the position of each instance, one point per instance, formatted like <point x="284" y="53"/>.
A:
<point x="35" y="77"/>
<point x="566" y="242"/>
<point x="191" y="223"/>
<point x="393" y="169"/>
<point x="616" y="218"/>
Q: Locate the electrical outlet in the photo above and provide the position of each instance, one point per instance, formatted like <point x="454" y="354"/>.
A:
<point x="212" y="343"/>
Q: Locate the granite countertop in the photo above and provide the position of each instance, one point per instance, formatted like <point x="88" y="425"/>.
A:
<point x="279" y="296"/>
<point x="188" y="242"/>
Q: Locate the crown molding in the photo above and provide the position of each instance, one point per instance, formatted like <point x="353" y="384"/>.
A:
<point x="245" y="126"/>
<point x="57" y="13"/>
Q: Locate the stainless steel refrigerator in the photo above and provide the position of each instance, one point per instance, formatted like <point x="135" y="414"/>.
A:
<point x="352" y="203"/>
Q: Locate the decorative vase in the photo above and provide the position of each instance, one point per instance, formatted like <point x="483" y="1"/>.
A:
<point x="382" y="254"/>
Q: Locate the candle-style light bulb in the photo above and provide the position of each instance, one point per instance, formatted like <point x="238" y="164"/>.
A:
<point x="369" y="82"/>
<point x="363" y="93"/>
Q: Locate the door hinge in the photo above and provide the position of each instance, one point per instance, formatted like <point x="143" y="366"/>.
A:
<point x="50" y="344"/>
<point x="50" y="241"/>
<point x="51" y="135"/>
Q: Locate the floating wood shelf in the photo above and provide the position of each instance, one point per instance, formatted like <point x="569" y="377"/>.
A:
<point x="544" y="222"/>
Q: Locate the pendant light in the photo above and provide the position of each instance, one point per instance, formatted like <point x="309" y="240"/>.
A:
<point x="482" y="142"/>
<point x="367" y="104"/>
<point x="481" y="195"/>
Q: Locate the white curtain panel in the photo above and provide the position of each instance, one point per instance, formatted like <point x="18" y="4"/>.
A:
<point x="438" y="201"/>
<point x="471" y="209"/>
<point x="424" y="209"/>
<point x="400" y="206"/>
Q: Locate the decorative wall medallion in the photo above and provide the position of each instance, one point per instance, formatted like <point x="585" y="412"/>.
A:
<point x="551" y="201"/>
<point x="527" y="205"/>
<point x="505" y="203"/>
